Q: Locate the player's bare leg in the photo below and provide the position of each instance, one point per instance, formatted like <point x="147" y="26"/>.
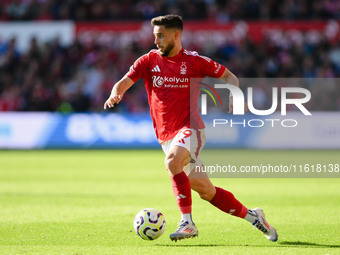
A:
<point x="175" y="160"/>
<point x="226" y="202"/>
<point x="202" y="185"/>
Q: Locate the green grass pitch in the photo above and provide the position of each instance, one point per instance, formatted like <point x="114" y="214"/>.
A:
<point x="84" y="202"/>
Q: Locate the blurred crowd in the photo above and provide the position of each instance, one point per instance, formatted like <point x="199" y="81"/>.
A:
<point x="79" y="77"/>
<point x="223" y="10"/>
<point x="50" y="77"/>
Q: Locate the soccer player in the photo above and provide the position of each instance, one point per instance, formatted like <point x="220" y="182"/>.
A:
<point x="167" y="72"/>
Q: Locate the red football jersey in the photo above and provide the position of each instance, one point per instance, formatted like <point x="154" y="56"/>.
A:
<point x="167" y="82"/>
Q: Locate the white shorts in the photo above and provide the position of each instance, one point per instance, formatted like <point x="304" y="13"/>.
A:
<point x="191" y="139"/>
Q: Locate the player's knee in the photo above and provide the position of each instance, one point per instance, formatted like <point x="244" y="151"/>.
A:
<point x="172" y="164"/>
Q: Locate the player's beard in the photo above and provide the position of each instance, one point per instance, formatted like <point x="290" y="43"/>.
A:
<point x="167" y="49"/>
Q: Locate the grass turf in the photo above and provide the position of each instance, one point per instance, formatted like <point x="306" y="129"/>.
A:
<point x="84" y="202"/>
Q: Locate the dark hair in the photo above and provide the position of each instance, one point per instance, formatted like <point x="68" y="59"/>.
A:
<point x="169" y="21"/>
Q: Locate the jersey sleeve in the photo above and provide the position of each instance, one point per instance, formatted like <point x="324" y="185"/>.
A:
<point x="138" y="69"/>
<point x="210" y="68"/>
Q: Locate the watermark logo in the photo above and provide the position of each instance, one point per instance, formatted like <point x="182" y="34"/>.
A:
<point x="239" y="104"/>
<point x="204" y="97"/>
<point x="238" y="100"/>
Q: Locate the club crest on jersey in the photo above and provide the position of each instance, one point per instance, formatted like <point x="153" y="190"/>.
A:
<point x="183" y="68"/>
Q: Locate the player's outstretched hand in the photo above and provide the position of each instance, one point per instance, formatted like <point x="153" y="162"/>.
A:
<point x="231" y="106"/>
<point x="112" y="100"/>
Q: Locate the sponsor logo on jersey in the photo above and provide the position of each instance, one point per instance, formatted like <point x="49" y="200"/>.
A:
<point x="156" y="69"/>
<point x="159" y="81"/>
<point x="183" y="68"/>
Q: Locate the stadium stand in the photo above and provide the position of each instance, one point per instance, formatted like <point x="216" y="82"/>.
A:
<point x="78" y="78"/>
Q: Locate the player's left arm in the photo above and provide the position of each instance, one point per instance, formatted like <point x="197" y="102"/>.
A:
<point x="231" y="78"/>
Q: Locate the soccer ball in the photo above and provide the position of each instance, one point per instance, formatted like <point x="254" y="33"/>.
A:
<point x="149" y="224"/>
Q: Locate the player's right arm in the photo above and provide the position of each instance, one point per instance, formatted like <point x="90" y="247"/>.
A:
<point x="118" y="91"/>
<point x="137" y="71"/>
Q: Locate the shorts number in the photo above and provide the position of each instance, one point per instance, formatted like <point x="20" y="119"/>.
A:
<point x="187" y="133"/>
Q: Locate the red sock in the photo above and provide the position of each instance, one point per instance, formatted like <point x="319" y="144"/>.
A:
<point x="226" y="202"/>
<point x="182" y="191"/>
